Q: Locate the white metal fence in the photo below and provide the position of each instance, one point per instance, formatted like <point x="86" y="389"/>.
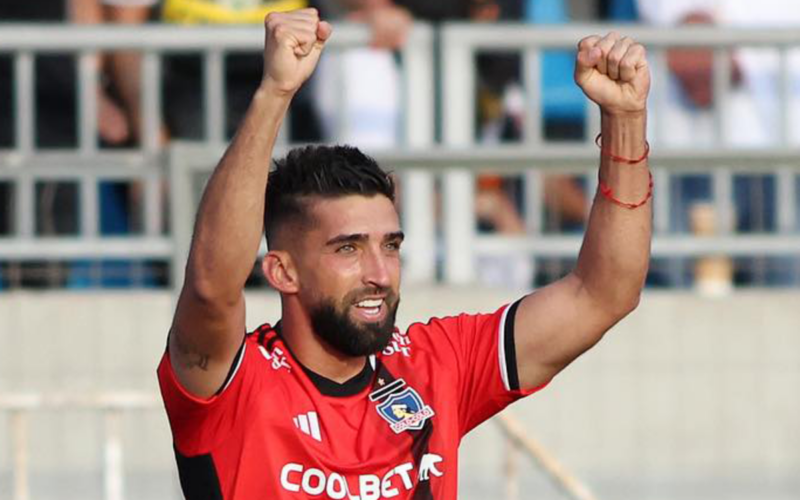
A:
<point x="23" y="167"/>
<point x="460" y="43"/>
<point x="192" y="162"/>
<point x="20" y="407"/>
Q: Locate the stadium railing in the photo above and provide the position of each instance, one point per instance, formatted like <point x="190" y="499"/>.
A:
<point x="21" y="406"/>
<point x="25" y="167"/>
<point x="461" y="43"/>
<point x="456" y="167"/>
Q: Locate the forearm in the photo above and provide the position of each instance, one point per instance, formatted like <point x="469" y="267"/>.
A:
<point x="613" y="261"/>
<point x="229" y="222"/>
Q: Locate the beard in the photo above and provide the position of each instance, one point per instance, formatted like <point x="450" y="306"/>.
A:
<point x="335" y="327"/>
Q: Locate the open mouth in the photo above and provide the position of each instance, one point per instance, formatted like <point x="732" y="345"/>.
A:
<point x="370" y="308"/>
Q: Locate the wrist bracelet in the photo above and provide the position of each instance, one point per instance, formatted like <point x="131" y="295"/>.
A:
<point x="620" y="159"/>
<point x="608" y="193"/>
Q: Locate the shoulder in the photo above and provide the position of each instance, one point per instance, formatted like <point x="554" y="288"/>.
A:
<point x="266" y="345"/>
<point x="456" y="324"/>
<point x="265" y="335"/>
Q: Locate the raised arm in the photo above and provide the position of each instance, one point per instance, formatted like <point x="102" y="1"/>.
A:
<point x="209" y="323"/>
<point x="556" y="324"/>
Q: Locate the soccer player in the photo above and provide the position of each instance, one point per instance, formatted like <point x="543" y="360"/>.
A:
<point x="332" y="401"/>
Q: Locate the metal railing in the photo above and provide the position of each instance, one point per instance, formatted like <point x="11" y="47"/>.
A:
<point x="520" y="440"/>
<point x="24" y="166"/>
<point x="189" y="161"/>
<point x="461" y="43"/>
<point x="25" y="41"/>
<point x="87" y="174"/>
<point x="19" y="407"/>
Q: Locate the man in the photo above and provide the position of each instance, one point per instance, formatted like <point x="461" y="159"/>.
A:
<point x="332" y="401"/>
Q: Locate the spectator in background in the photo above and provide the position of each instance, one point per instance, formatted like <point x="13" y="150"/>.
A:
<point x="357" y="90"/>
<point x="119" y="92"/>
<point x="184" y="92"/>
<point x="753" y="117"/>
<point x="57" y="113"/>
<point x="119" y="105"/>
<point x="563" y="119"/>
<point x="360" y="106"/>
<point x="363" y="106"/>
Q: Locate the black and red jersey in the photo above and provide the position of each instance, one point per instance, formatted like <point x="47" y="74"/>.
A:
<point x="279" y="431"/>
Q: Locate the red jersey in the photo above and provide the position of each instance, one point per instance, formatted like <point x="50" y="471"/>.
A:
<point x="278" y="430"/>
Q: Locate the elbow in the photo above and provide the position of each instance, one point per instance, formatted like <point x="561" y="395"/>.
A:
<point x="618" y="305"/>
<point x="616" y="300"/>
<point x="205" y="290"/>
<point x="625" y="303"/>
<point x="632" y="303"/>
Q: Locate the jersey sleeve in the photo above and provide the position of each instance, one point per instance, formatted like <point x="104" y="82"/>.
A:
<point x="484" y="357"/>
<point x="199" y="425"/>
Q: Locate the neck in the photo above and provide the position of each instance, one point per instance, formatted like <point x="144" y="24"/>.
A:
<point x="313" y="352"/>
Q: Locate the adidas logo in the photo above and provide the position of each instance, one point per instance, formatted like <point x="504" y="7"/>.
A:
<point x="308" y="423"/>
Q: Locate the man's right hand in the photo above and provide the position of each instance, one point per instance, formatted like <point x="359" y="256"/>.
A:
<point x="294" y="42"/>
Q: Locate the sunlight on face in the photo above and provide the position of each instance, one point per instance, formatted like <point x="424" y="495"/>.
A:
<point x="349" y="271"/>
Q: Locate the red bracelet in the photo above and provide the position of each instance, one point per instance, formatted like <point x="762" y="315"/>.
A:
<point x="620" y="159"/>
<point x="609" y="194"/>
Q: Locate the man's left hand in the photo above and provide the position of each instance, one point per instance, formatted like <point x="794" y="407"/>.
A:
<point x="613" y="72"/>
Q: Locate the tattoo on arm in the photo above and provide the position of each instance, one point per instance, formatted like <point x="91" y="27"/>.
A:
<point x="189" y="357"/>
<point x="200" y="361"/>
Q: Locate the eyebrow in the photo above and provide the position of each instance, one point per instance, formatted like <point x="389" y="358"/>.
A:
<point x="359" y="237"/>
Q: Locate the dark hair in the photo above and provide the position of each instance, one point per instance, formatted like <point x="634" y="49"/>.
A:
<point x="319" y="171"/>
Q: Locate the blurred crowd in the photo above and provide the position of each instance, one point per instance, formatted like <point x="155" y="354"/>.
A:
<point x="369" y="77"/>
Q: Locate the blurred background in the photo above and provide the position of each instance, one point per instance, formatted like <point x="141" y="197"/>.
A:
<point x="114" y="112"/>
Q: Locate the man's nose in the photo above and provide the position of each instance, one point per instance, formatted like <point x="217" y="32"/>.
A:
<point x="376" y="269"/>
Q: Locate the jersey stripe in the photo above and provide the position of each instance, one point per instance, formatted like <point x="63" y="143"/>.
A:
<point x="420" y="438"/>
<point x="313" y="422"/>
<point x="506" y="348"/>
<point x="386" y="390"/>
<point x="198" y="477"/>
<point x="237" y="362"/>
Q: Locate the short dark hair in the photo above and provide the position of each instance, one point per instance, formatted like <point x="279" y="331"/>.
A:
<point x="319" y="171"/>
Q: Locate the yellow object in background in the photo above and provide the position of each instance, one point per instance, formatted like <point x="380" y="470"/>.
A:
<point x="225" y="11"/>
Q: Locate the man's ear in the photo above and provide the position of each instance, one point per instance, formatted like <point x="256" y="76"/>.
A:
<point x="278" y="268"/>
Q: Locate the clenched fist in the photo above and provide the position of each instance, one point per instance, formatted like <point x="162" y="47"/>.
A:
<point x="294" y="42"/>
<point x="613" y="72"/>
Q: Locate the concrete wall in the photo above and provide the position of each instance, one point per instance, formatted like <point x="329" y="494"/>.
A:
<point x="687" y="398"/>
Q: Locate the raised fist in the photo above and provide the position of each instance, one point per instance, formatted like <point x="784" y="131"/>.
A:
<point x="613" y="72"/>
<point x="294" y="42"/>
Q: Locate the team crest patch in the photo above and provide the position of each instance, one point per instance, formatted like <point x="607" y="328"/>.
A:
<point x="405" y="410"/>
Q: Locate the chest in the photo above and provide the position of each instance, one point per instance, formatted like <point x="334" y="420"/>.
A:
<point x="398" y="434"/>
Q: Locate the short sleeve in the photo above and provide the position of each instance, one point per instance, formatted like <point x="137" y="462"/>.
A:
<point x="199" y="425"/>
<point x="485" y="359"/>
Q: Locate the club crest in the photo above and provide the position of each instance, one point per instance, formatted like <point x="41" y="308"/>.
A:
<point x="405" y="410"/>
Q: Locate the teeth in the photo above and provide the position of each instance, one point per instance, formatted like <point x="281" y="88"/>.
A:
<point x="370" y="303"/>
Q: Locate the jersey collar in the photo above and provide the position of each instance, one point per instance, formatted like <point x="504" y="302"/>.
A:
<point x="329" y="387"/>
